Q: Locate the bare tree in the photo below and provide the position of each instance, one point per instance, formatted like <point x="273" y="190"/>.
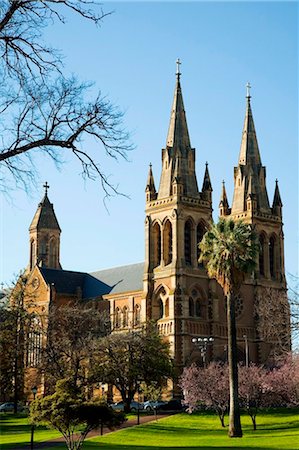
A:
<point x="40" y="108"/>
<point x="273" y="319"/>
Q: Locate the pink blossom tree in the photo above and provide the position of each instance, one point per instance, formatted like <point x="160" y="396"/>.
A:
<point x="208" y="387"/>
<point x="282" y="383"/>
<point x="252" y="389"/>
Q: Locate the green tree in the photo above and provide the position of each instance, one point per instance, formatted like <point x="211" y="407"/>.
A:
<point x="74" y="418"/>
<point x="127" y="359"/>
<point x="229" y="252"/>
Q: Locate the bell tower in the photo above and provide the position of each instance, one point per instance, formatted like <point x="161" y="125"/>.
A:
<point x="251" y="205"/>
<point x="177" y="216"/>
<point x="44" y="236"/>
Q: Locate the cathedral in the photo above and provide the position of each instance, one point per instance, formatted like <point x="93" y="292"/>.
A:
<point x="171" y="287"/>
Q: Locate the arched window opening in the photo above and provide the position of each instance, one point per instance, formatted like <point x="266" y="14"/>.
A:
<point x="43" y="247"/>
<point x="200" y="231"/>
<point x="125" y="317"/>
<point x="167" y="243"/>
<point x="262" y="255"/>
<point x="137" y="315"/>
<point x="187" y="235"/>
<point x="272" y="256"/>
<point x="157" y="244"/>
<point x="117" y="322"/>
<point x="34" y="344"/>
<point x="191" y="307"/>
<point x="167" y="307"/>
<point x="197" y="308"/>
<point x="52" y="253"/>
<point x="161" y="312"/>
<point x="32" y="254"/>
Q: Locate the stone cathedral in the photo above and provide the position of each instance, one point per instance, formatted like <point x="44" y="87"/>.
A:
<point x="171" y="287"/>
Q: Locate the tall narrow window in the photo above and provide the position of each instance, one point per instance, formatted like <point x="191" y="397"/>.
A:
<point x="187" y="236"/>
<point x="32" y="254"/>
<point x="200" y="231"/>
<point x="52" y="253"/>
<point x="125" y="317"/>
<point x="137" y="315"/>
<point x="272" y="256"/>
<point x="191" y="307"/>
<point x="197" y="308"/>
<point x="117" y="322"/>
<point x="34" y="344"/>
<point x="161" y="309"/>
<point x="167" y="242"/>
<point x="262" y="255"/>
<point x="157" y="244"/>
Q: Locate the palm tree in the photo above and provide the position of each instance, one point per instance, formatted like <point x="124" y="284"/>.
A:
<point x="229" y="251"/>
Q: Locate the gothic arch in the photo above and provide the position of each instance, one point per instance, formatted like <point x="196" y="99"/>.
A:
<point x="199" y="300"/>
<point x="125" y="317"/>
<point x="272" y="255"/>
<point x="188" y="232"/>
<point x="200" y="231"/>
<point x="117" y="319"/>
<point x="262" y="253"/>
<point x="156" y="234"/>
<point x="137" y="315"/>
<point x="32" y="253"/>
<point x="159" y="302"/>
<point x="167" y="242"/>
<point x="53" y="252"/>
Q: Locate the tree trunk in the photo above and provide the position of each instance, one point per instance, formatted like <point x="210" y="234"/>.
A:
<point x="253" y="418"/>
<point x="235" y="429"/>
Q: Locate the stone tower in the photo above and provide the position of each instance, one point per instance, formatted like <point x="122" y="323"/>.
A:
<point x="251" y="205"/>
<point x="44" y="236"/>
<point x="177" y="290"/>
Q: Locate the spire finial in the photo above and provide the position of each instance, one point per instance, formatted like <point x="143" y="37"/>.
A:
<point x="248" y="87"/>
<point x="178" y="63"/>
<point x="46" y="186"/>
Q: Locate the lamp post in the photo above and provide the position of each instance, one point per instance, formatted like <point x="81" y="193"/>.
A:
<point x="34" y="392"/>
<point x="103" y="393"/>
<point x="202" y="343"/>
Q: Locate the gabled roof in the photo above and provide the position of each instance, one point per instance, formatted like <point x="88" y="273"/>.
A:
<point x="122" y="279"/>
<point x="108" y="281"/>
<point x="68" y="282"/>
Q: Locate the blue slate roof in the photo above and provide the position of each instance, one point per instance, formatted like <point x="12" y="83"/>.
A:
<point x="108" y="281"/>
<point x="123" y="278"/>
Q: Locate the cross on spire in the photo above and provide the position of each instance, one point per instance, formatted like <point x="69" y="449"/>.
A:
<point x="248" y="87"/>
<point x="178" y="63"/>
<point x="46" y="186"/>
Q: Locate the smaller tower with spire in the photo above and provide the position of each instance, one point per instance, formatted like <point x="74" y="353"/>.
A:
<point x="44" y="236"/>
<point x="207" y="186"/>
<point x="150" y="190"/>
<point x="224" y="209"/>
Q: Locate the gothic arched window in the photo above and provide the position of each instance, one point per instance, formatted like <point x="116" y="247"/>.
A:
<point x="188" y="244"/>
<point x="197" y="308"/>
<point x="125" y="317"/>
<point x="32" y="254"/>
<point x="272" y="256"/>
<point x="52" y="253"/>
<point x="191" y="307"/>
<point x="157" y="244"/>
<point x="34" y="343"/>
<point x="262" y="255"/>
<point x="167" y="242"/>
<point x="200" y="231"/>
<point x="161" y="309"/>
<point x="137" y="315"/>
<point x="117" y="322"/>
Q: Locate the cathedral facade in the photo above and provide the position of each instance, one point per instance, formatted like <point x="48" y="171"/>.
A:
<point x="171" y="287"/>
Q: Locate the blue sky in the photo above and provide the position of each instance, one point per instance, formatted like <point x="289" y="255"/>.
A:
<point x="131" y="58"/>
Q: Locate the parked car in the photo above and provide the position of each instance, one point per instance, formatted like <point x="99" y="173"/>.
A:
<point x="173" y="405"/>
<point x="151" y="405"/>
<point x="9" y="407"/>
<point x="134" y="406"/>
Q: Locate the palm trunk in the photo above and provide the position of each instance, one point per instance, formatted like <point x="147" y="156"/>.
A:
<point x="235" y="429"/>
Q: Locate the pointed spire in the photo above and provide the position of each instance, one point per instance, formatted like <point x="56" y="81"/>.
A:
<point x="178" y="135"/>
<point x="223" y="204"/>
<point x="206" y="185"/>
<point x="249" y="151"/>
<point x="45" y="216"/>
<point x="277" y="203"/>
<point x="150" y="185"/>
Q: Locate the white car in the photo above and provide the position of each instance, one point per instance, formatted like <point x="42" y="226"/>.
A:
<point x="134" y="406"/>
<point x="152" y="405"/>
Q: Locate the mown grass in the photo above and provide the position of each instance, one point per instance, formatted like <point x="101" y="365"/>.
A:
<point x="15" y="430"/>
<point x="276" y="430"/>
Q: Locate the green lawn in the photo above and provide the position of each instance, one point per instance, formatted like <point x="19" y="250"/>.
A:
<point x="16" y="430"/>
<point x="276" y="430"/>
